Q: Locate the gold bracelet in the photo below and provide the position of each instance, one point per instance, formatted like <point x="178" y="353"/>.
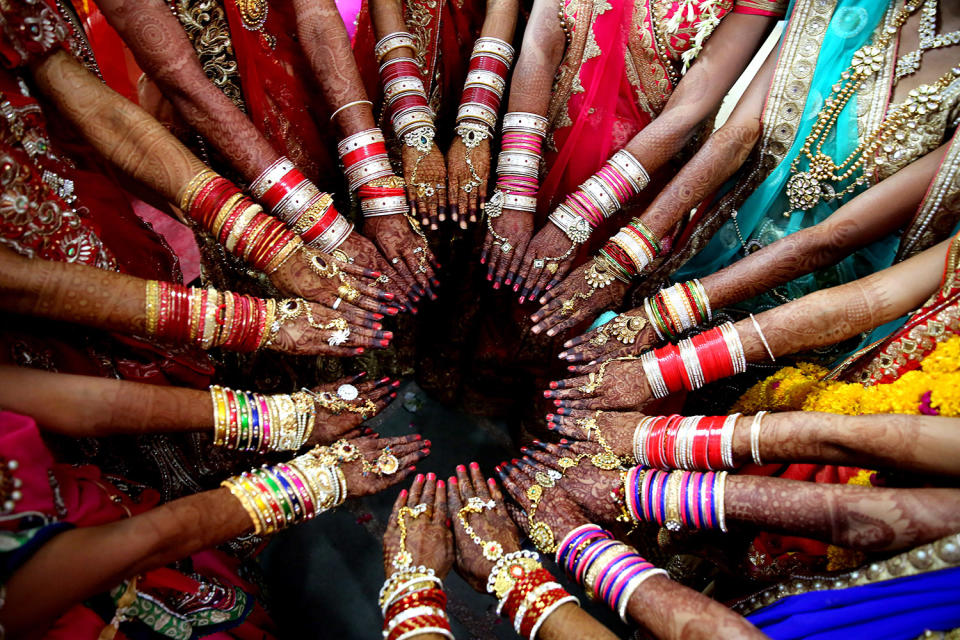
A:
<point x="152" y="306"/>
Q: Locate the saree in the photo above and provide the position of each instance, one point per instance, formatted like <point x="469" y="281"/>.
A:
<point x="209" y="599"/>
<point x="816" y="47"/>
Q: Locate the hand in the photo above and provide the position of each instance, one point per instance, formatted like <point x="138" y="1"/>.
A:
<point x="575" y="301"/>
<point x="316" y="330"/>
<point x="604" y="342"/>
<point x="405" y="250"/>
<point x="490" y="525"/>
<point x="459" y="201"/>
<point x="516" y="227"/>
<point x="616" y="427"/>
<point x="408" y="450"/>
<point x="363" y="253"/>
<point x="550" y="242"/>
<point x="426" y="183"/>
<point x="623" y="385"/>
<point x="330" y="426"/>
<point x="429" y="540"/>
<point x="590" y="487"/>
<point x="319" y="278"/>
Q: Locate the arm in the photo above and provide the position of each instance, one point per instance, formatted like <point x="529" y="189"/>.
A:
<point x="162" y="50"/>
<point x="867" y="518"/>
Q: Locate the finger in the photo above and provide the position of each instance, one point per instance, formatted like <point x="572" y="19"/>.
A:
<point x="592" y="403"/>
<point x="440" y="513"/>
<point x="463" y="204"/>
<point x="516" y="483"/>
<point x="433" y="206"/>
<point x="357" y="270"/>
<point x="496" y="496"/>
<point x="495" y="256"/>
<point x="580" y="315"/>
<point x="410" y="460"/>
<point x="412" y="263"/>
<point x="396" y="441"/>
<point x="428" y="495"/>
<point x="543" y="277"/>
<point x="405" y="449"/>
<point x="549" y="308"/>
<point x="399" y="263"/>
<point x="519" y="517"/>
<point x="526" y="268"/>
<point x="481" y="200"/>
<point x="479" y="482"/>
<point x="453" y="186"/>
<point x="463" y="481"/>
<point x="415" y="490"/>
<point x="367" y="289"/>
<point x="544" y="458"/>
<point x="502" y="265"/>
<point x="513" y="271"/>
<point x="472" y="204"/>
<point x="454" y="504"/>
<point x="560" y="389"/>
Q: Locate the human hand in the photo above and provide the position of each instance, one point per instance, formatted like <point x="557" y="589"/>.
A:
<point x="608" y="384"/>
<point x="516" y="227"/>
<point x="428" y="539"/>
<point x="550" y="242"/>
<point x="406" y="451"/>
<point x="629" y="334"/>
<point x="361" y="252"/>
<point x="406" y="250"/>
<point x="578" y="299"/>
<point x="490" y="524"/>
<point x="331" y="424"/>
<point x="426" y="178"/>
<point x="465" y="205"/>
<point x="305" y="328"/>
<point x="616" y="428"/>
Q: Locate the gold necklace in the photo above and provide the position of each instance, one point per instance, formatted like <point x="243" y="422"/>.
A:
<point x="805" y="189"/>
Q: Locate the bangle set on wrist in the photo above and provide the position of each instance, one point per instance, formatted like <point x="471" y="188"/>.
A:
<point x="248" y="421"/>
<point x="695" y="443"/>
<point x="676" y="499"/>
<point x="364" y="157"/>
<point x="692" y="363"/>
<point x="679" y="308"/>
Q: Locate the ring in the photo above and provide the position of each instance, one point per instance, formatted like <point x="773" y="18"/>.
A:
<point x="395" y="260"/>
<point x="347" y="292"/>
<point x="421" y="269"/>
<point x="336" y="303"/>
<point x="347" y="392"/>
<point x="418" y="250"/>
<point x="538" y="263"/>
<point x="506" y="247"/>
<point x="387" y="463"/>
<point x="383" y="279"/>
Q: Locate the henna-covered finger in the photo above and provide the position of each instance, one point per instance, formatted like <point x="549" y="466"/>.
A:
<point x="497" y="497"/>
<point x="428" y="495"/>
<point x="479" y="482"/>
<point x="415" y="490"/>
<point x="464" y="483"/>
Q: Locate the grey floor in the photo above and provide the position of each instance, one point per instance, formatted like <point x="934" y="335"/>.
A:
<point x="323" y="577"/>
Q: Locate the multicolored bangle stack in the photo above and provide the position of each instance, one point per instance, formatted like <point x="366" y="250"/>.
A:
<point x="676" y="499"/>
<point x="364" y="157"/>
<point x="306" y="210"/>
<point x="413" y="603"/>
<point x="679" y="308"/>
<point x="207" y="317"/>
<point x="480" y="101"/>
<point x="278" y="496"/>
<point x="249" y="421"/>
<point x="608" y="569"/>
<point x="702" y="443"/>
<point x="237" y="222"/>
<point x="406" y="102"/>
<point x="532" y="597"/>
<point x="692" y="363"/>
<point x="384" y="197"/>
<point x="630" y="250"/>
<point x="600" y="196"/>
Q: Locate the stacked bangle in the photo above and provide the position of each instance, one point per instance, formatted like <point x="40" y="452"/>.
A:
<point x="711" y="355"/>
<point x="518" y="165"/>
<point x="679" y="308"/>
<point x="630" y="251"/>
<point x="702" y="443"/>
<point x="406" y="101"/>
<point x="391" y="42"/>
<point x="600" y="196"/>
<point x="207" y="317"/>
<point x="676" y="499"/>
<point x="281" y="495"/>
<point x="306" y="210"/>
<point x="413" y="603"/>
<point x="385" y="197"/>
<point x="364" y="157"/>
<point x="531" y="599"/>
<point x="237" y="222"/>
<point x="608" y="569"/>
<point x="486" y="81"/>
<point x="249" y="421"/>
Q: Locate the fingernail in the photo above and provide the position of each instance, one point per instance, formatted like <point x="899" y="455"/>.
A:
<point x="551" y="427"/>
<point x="377" y="326"/>
<point x="564" y="441"/>
<point x="571" y="368"/>
<point x="562" y="355"/>
<point x="516" y="287"/>
<point x="490" y="277"/>
<point x="361" y="374"/>
<point x="490" y="482"/>
<point x="562" y="410"/>
<point x="431" y="476"/>
<point x="419" y="478"/>
<point x="393" y="395"/>
<point x="426" y="443"/>
<point x="388" y="334"/>
<point x="441" y="485"/>
<point x="412" y="468"/>
<point x="548" y="394"/>
<point x="388" y="295"/>
<point x="393" y="311"/>
<point x="524" y="450"/>
<point x="378" y="316"/>
<point x="474" y="465"/>
<point x="514" y="461"/>
<point x="375" y="274"/>
<point x="435" y="282"/>
<point x="433" y="296"/>
<point x="497" y="468"/>
<point x="383" y="380"/>
<point x="403" y="494"/>
<point x="426" y="452"/>
<point x="418" y="436"/>
<point x="461" y="468"/>
<point x="483" y="260"/>
<point x="521" y="299"/>
<point x="359" y="350"/>
<point x="549" y="417"/>
<point x="396" y="383"/>
<point x="553" y="384"/>
<point x="384" y="343"/>
<point x="452" y="480"/>
<point x="506" y="281"/>
<point x="496" y="285"/>
<point x="413" y="310"/>
<point x="558" y="403"/>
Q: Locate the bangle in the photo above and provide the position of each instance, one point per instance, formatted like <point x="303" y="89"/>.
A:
<point x="755" y="437"/>
<point x="392" y="41"/>
<point x="763" y="339"/>
<point x="348" y="105"/>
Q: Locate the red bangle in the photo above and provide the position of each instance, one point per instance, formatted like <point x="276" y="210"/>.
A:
<point x="293" y="179"/>
<point x="320" y="225"/>
<point x="671" y="367"/>
<point x="367" y="151"/>
<point x="670" y="445"/>
<point x="489" y="63"/>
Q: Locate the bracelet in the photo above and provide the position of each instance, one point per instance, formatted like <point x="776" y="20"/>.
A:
<point x="392" y="41"/>
<point x="709" y="356"/>
<point x="676" y="499"/>
<point x="248" y="421"/>
<point x="348" y="105"/>
<point x="755" y="437"/>
<point x="678" y="442"/>
<point x="763" y="339"/>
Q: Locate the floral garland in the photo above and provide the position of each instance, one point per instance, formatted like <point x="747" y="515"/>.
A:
<point x="934" y="389"/>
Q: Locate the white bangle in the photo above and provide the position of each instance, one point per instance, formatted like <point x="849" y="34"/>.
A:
<point x="348" y="105"/>
<point x="755" y="437"/>
<point x="763" y="339"/>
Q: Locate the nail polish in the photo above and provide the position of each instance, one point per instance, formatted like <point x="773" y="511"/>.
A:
<point x="426" y="443"/>
<point x="461" y="468"/>
<point x="440" y="486"/>
<point x="553" y="384"/>
<point x="431" y="476"/>
<point x="452" y="480"/>
<point x="419" y="478"/>
<point x="417" y="436"/>
<point x="548" y="394"/>
<point x="474" y="465"/>
<point x="384" y="343"/>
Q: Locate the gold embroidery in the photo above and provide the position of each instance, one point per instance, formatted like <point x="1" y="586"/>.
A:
<point x="938" y="211"/>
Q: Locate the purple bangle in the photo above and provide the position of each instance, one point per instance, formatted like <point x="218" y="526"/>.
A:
<point x="662" y="497"/>
<point x="609" y="576"/>
<point x="646" y="493"/>
<point x="590" y="556"/>
<point x="565" y="552"/>
<point x="301" y="489"/>
<point x="573" y="561"/>
<point x="624" y="579"/>
<point x="691" y="502"/>
<point x="608" y="571"/>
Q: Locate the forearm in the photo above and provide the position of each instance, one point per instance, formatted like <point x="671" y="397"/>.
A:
<point x="87" y="561"/>
<point x="919" y="444"/>
<point x="570" y="621"/>
<point x="866" y="518"/>
<point x="118" y="129"/>
<point x="387" y="17"/>
<point x="500" y="20"/>
<point x="164" y="52"/>
<point x="540" y="57"/>
<point x="72" y="293"/>
<point x="879" y="211"/>
<point x="672" y="611"/>
<point x="88" y="406"/>
<point x="724" y="57"/>
<point x="832" y="315"/>
<point x="327" y="48"/>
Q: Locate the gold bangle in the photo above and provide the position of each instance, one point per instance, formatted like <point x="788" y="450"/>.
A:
<point x="193" y="187"/>
<point x="152" y="306"/>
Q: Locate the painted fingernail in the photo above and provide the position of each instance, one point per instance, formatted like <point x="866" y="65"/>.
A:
<point x="506" y="281"/>
<point x="549" y="417"/>
<point x="413" y="310"/>
<point x="515" y="461"/>
<point x="461" y="468"/>
<point x="497" y="468"/>
<point x="548" y="394"/>
<point x="384" y="343"/>
<point x="419" y="478"/>
<point x="431" y="476"/>
<point x="521" y="299"/>
<point x="359" y="350"/>
<point x="425" y="452"/>
<point x="516" y="287"/>
<point x="388" y="335"/>
<point x="553" y="384"/>
<point x="474" y="465"/>
<point x="412" y="469"/>
<point x="452" y="480"/>
<point x="435" y="282"/>
<point x="491" y="482"/>
<point x="551" y="427"/>
<point x="378" y="316"/>
<point x="396" y="383"/>
<point x="393" y="395"/>
<point x="496" y="285"/>
<point x="426" y="443"/>
<point x="564" y="441"/>
<point x="383" y="380"/>
<point x="441" y="485"/>
<point x="571" y="368"/>
<point x="393" y="311"/>
<point x="377" y="326"/>
<point x="562" y="410"/>
<point x="558" y="403"/>
<point x="417" y="436"/>
<point x="403" y="494"/>
<point x="562" y="355"/>
<point x="524" y="450"/>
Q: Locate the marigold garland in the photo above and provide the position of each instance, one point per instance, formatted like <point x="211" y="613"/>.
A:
<point x="934" y="389"/>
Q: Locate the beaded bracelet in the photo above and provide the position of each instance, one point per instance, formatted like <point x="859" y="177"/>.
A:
<point x="237" y="222"/>
<point x="679" y="308"/>
<point x="676" y="499"/>
<point x="676" y="442"/>
<point x="692" y="363"/>
<point x="278" y="496"/>
<point x="207" y="317"/>
<point x="364" y="157"/>
<point x="608" y="569"/>
<point x="249" y="421"/>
